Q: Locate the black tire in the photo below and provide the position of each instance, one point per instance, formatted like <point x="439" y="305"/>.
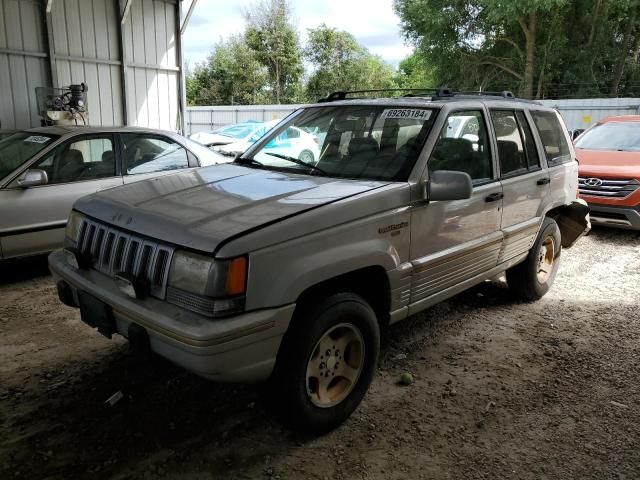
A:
<point x="289" y="393"/>
<point x="524" y="279"/>
<point x="306" y="156"/>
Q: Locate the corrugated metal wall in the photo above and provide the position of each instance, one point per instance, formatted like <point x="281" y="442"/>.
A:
<point x="84" y="41"/>
<point x="23" y="62"/>
<point x="582" y="113"/>
<point x="152" y="64"/>
<point x="86" y="49"/>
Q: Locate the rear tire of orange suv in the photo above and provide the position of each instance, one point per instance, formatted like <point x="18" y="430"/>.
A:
<point x="532" y="279"/>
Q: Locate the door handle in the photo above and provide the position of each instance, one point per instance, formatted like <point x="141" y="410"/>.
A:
<point x="544" y="181"/>
<point x="494" y="197"/>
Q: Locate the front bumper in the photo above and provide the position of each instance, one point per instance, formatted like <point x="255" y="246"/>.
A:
<point x="614" y="216"/>
<point x="237" y="349"/>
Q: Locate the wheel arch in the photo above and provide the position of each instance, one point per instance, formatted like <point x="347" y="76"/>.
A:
<point x="371" y="283"/>
<point x="573" y="221"/>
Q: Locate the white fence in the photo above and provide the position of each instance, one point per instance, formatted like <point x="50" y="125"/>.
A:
<point x="210" y="118"/>
<point x="582" y="113"/>
<point x="577" y="113"/>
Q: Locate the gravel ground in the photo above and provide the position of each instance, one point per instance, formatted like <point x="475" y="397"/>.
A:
<point x="502" y="390"/>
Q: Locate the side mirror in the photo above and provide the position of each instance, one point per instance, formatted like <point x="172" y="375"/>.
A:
<point x="576" y="133"/>
<point x="33" y="178"/>
<point x="447" y="185"/>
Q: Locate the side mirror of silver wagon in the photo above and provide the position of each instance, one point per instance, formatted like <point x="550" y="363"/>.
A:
<point x="449" y="185"/>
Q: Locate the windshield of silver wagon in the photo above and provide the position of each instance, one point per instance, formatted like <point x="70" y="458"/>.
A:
<point x="355" y="141"/>
<point x="20" y="147"/>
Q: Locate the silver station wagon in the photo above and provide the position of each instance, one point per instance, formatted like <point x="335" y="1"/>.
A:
<point x="44" y="170"/>
<point x="277" y="269"/>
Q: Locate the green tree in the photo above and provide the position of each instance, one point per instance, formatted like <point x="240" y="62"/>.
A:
<point x="340" y="63"/>
<point x="414" y="72"/>
<point x="536" y="47"/>
<point x="271" y="35"/>
<point x="231" y="75"/>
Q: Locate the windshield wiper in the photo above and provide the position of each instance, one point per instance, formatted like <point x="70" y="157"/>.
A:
<point x="297" y="162"/>
<point x="248" y="161"/>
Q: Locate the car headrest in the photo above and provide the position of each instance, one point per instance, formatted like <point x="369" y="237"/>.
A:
<point x="507" y="148"/>
<point x="362" y="145"/>
<point x="458" y="148"/>
<point x="73" y="157"/>
<point x="108" y="156"/>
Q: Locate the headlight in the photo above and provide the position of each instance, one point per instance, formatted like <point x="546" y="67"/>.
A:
<point x="73" y="226"/>
<point x="213" y="288"/>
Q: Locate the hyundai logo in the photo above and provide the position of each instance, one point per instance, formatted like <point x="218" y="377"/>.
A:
<point x="593" y="182"/>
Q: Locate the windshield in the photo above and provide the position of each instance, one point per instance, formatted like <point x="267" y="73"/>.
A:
<point x="360" y="142"/>
<point x="20" y="147"/>
<point x="621" y="136"/>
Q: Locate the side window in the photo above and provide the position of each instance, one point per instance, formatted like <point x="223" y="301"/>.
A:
<point x="150" y="153"/>
<point x="510" y="146"/>
<point x="551" y="133"/>
<point x="89" y="158"/>
<point x="533" y="159"/>
<point x="463" y="145"/>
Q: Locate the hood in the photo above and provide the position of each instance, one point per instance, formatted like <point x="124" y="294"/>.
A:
<point x="202" y="208"/>
<point x="608" y="163"/>
<point x="235" y="147"/>
<point x="212" y="139"/>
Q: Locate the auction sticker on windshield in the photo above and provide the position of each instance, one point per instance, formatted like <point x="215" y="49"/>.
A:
<point x="36" y="139"/>
<point x="409" y="113"/>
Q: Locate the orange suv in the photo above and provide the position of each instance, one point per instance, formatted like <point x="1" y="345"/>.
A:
<point x="609" y="156"/>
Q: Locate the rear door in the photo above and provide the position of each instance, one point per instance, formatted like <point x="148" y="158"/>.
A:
<point x="34" y="218"/>
<point x="525" y="184"/>
<point x="452" y="242"/>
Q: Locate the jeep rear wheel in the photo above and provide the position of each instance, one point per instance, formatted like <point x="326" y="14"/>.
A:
<point x="532" y="279"/>
<point x="326" y="363"/>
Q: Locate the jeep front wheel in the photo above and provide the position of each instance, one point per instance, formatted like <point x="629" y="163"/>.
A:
<point x="326" y="363"/>
<point x="531" y="279"/>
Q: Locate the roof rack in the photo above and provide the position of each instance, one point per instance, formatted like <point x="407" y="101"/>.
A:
<point x="503" y="93"/>
<point x="342" y="95"/>
<point x="436" y="93"/>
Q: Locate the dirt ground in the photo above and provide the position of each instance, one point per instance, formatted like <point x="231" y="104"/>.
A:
<point x="503" y="390"/>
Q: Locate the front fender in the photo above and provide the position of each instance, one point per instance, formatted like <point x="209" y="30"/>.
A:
<point x="278" y="279"/>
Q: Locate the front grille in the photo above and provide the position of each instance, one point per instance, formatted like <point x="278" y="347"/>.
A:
<point x="113" y="251"/>
<point x="608" y="188"/>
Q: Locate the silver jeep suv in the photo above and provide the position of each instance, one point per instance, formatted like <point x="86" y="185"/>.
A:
<point x="279" y="269"/>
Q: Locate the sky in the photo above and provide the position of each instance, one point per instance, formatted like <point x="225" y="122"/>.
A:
<point x="372" y="22"/>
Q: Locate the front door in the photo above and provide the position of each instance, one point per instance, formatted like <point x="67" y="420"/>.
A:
<point x="456" y="241"/>
<point x="525" y="183"/>
<point x="34" y="218"/>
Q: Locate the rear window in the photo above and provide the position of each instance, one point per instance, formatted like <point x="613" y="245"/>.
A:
<point x="553" y="139"/>
<point x="620" y="136"/>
